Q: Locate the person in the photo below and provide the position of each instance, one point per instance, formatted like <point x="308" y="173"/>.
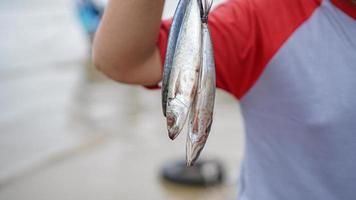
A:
<point x="292" y="64"/>
<point x="89" y="13"/>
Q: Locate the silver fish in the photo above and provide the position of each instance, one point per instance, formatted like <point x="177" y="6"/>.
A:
<point x="172" y="41"/>
<point x="201" y="114"/>
<point x="185" y="70"/>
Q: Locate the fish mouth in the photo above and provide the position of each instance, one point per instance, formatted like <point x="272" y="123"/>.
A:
<point x="172" y="136"/>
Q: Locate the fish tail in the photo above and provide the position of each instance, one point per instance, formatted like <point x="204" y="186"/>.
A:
<point x="205" y="7"/>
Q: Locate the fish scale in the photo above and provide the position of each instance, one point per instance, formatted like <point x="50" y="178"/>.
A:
<point x="189" y="84"/>
<point x="172" y="41"/>
<point x="201" y="114"/>
<point x="185" y="70"/>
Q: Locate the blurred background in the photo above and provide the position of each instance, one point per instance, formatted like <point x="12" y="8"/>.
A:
<point x="67" y="132"/>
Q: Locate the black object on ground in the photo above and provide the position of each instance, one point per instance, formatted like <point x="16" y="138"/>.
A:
<point x="203" y="173"/>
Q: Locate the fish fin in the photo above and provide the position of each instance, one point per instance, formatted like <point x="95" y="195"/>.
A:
<point x="177" y="85"/>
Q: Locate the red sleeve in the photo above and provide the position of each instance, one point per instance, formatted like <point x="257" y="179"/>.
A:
<point x="246" y="34"/>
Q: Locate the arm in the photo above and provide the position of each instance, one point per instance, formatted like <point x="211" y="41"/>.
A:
<point x="125" y="45"/>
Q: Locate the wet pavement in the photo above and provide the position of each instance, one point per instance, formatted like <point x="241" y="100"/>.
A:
<point x="67" y="132"/>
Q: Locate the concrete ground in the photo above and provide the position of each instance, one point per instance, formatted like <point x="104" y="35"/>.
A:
<point x="68" y="133"/>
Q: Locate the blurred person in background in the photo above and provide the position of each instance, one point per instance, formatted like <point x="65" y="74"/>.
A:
<point x="90" y="12"/>
<point x="292" y="64"/>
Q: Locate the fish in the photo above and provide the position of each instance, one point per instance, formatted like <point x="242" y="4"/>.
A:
<point x="172" y="41"/>
<point x="185" y="69"/>
<point x="201" y="114"/>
